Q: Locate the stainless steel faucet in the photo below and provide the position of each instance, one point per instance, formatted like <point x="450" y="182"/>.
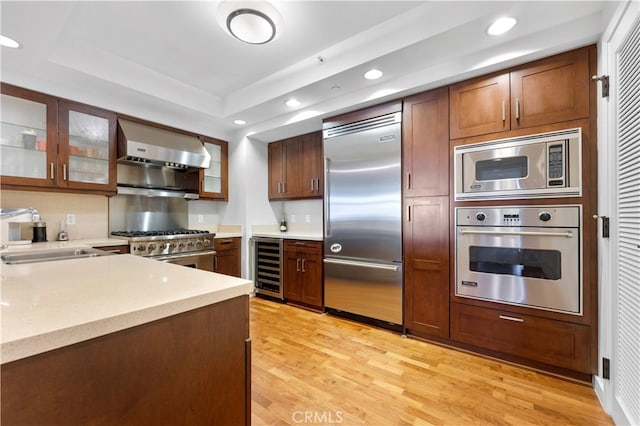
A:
<point x="7" y="213"/>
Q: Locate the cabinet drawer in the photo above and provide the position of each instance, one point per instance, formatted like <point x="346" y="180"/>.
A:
<point x="303" y="246"/>
<point x="226" y="243"/>
<point x="556" y="343"/>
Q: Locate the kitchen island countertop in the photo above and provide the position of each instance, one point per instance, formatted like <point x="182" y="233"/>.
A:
<point x="49" y="305"/>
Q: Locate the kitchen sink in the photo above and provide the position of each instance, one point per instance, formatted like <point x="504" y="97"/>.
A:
<point x="51" y="255"/>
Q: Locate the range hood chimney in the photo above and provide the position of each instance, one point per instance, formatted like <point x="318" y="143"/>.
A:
<point x="142" y="144"/>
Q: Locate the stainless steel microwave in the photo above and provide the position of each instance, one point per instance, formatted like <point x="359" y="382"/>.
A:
<point x="543" y="165"/>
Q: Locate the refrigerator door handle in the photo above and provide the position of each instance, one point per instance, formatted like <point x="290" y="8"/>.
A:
<point x="363" y="264"/>
<point x="327" y="221"/>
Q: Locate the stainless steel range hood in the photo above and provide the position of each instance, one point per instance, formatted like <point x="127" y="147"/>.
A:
<point x="139" y="143"/>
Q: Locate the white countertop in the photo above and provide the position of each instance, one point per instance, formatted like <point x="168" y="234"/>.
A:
<point x="92" y="242"/>
<point x="228" y="234"/>
<point x="48" y="305"/>
<point x="290" y="235"/>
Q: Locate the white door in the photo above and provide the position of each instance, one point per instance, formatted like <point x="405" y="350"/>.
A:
<point x="619" y="187"/>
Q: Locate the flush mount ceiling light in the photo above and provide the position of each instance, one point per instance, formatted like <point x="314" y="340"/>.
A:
<point x="253" y="22"/>
<point x="292" y="102"/>
<point x="239" y="122"/>
<point x="8" y="42"/>
<point x="501" y="26"/>
<point x="373" y="74"/>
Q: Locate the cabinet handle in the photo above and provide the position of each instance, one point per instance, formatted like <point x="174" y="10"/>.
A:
<point x="504" y="317"/>
<point x="504" y="111"/>
<point x="297" y="265"/>
<point x="284" y="187"/>
<point x="517" y="109"/>
<point x="408" y="213"/>
<point x="303" y="263"/>
<point x="51" y="170"/>
<point x="215" y="263"/>
<point x="301" y="243"/>
<point x="313" y="185"/>
<point x="229" y="241"/>
<point x="318" y="184"/>
<point x="409" y="180"/>
<point x="64" y="172"/>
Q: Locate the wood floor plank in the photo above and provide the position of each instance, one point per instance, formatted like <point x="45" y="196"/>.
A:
<point x="311" y="368"/>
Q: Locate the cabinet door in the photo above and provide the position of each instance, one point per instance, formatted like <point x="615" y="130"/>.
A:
<point x="87" y="147"/>
<point x="276" y="170"/>
<point x="426" y="248"/>
<point x="292" y="267"/>
<point x="551" y="90"/>
<point x="292" y="168"/>
<point x="425" y="139"/>
<point x="227" y="262"/>
<point x="312" y="165"/>
<point x="312" y="285"/>
<point x="214" y="180"/>
<point x="29" y="142"/>
<point x="479" y="106"/>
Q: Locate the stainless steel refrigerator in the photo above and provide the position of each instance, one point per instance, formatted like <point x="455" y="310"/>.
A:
<point x="363" y="219"/>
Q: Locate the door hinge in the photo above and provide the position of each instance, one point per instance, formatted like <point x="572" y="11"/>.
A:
<point x="606" y="368"/>
<point x="605" y="84"/>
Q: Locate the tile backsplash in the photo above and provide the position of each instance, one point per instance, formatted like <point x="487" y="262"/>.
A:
<point x="91" y="212"/>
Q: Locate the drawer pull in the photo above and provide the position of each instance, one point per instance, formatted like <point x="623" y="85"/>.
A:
<point x="504" y="317"/>
<point x="226" y="241"/>
<point x="300" y="243"/>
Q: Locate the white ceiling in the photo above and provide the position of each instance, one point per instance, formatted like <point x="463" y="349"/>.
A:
<point x="170" y="61"/>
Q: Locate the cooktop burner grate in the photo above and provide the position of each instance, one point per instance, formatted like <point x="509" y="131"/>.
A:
<point x="135" y="234"/>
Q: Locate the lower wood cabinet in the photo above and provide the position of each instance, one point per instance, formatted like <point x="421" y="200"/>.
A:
<point x="426" y="271"/>
<point x="303" y="282"/>
<point x="119" y="249"/>
<point x="192" y="368"/>
<point x="556" y="343"/>
<point x="227" y="259"/>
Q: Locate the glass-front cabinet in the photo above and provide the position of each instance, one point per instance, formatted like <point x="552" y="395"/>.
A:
<point x="47" y="142"/>
<point x="214" y="180"/>
<point x="87" y="147"/>
<point x="28" y="137"/>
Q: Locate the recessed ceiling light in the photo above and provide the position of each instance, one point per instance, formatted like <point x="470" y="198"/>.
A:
<point x="239" y="122"/>
<point x="373" y="74"/>
<point x="501" y="26"/>
<point x="292" y="102"/>
<point x="251" y="26"/>
<point x="8" y="42"/>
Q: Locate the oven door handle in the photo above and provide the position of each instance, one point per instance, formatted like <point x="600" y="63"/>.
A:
<point x="567" y="234"/>
<point x="182" y="255"/>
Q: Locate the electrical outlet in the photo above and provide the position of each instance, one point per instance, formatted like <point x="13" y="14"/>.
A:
<point x="200" y="218"/>
<point x="292" y="218"/>
<point x="71" y="219"/>
<point x="307" y="218"/>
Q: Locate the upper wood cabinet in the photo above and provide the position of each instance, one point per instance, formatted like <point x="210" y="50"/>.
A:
<point x="548" y="91"/>
<point x="214" y="181"/>
<point x="52" y="143"/>
<point x="296" y="168"/>
<point x="425" y="142"/>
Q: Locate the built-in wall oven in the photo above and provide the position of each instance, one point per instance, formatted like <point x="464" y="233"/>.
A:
<point x="527" y="256"/>
<point x="531" y="166"/>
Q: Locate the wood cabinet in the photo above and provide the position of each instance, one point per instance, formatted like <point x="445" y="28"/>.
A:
<point x="425" y="144"/>
<point x="550" y="90"/>
<point x="426" y="272"/>
<point x="227" y="259"/>
<point x="54" y="143"/>
<point x="303" y="273"/>
<point x="296" y="168"/>
<point x="190" y="368"/>
<point x="214" y="181"/>
<point x="555" y="343"/>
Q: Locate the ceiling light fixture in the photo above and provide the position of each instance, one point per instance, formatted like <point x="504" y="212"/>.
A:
<point x="239" y="122"/>
<point x="373" y="74"/>
<point x="501" y="26"/>
<point x="8" y="42"/>
<point x="251" y="26"/>
<point x="292" y="102"/>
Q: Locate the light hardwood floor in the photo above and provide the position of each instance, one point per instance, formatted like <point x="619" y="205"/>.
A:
<point x="310" y="368"/>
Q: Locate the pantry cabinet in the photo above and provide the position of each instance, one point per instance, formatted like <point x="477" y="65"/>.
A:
<point x="296" y="168"/>
<point x="227" y="259"/>
<point x="303" y="273"/>
<point x="54" y="143"/>
<point x="214" y="181"/>
<point x="547" y="91"/>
